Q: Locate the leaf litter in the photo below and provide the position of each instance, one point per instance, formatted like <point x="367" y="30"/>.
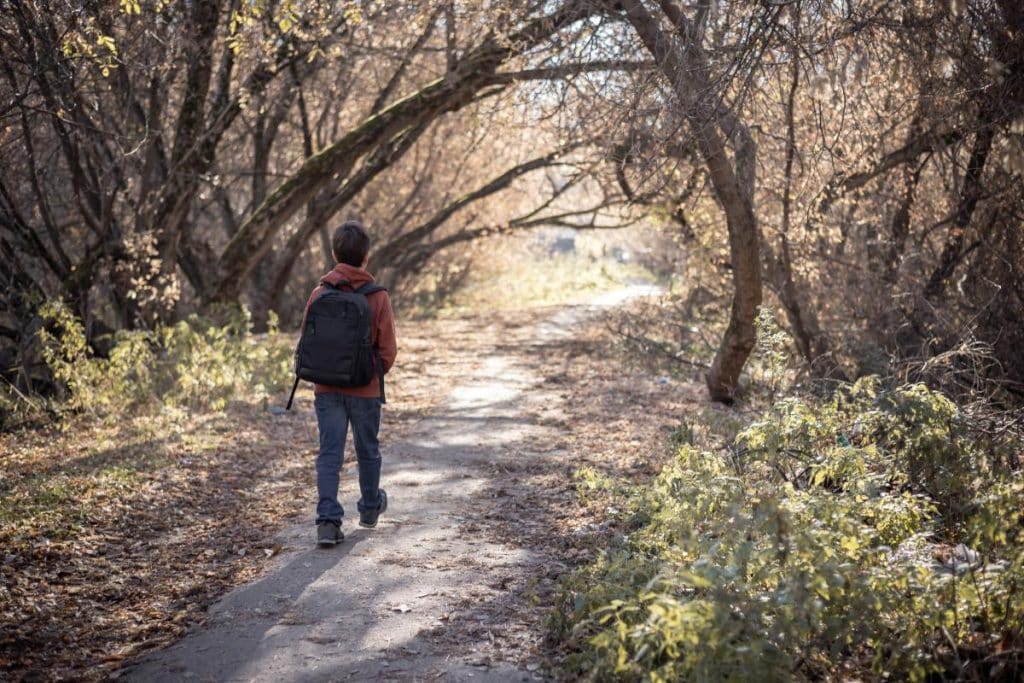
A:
<point x="112" y="534"/>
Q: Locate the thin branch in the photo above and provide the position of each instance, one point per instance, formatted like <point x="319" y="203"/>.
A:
<point x="394" y="249"/>
<point x="559" y="72"/>
<point x="396" y="78"/>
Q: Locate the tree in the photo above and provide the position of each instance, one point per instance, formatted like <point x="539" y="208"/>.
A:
<point x="684" y="64"/>
<point x="167" y="156"/>
<point x="166" y="120"/>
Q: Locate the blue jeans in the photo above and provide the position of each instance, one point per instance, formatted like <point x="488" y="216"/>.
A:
<point x="334" y="412"/>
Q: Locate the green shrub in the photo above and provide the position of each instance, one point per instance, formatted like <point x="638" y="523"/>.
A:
<point x="193" y="364"/>
<point x="868" y="532"/>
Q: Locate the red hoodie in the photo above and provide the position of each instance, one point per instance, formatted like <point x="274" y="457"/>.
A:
<point x="382" y="326"/>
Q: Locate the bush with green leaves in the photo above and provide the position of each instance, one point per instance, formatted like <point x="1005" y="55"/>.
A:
<point x="870" y="532"/>
<point x="193" y="364"/>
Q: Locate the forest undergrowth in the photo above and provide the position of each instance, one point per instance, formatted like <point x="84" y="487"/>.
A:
<point x="869" y="530"/>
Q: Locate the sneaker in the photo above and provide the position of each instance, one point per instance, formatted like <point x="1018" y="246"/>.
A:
<point x="368" y="518"/>
<point x="329" y="533"/>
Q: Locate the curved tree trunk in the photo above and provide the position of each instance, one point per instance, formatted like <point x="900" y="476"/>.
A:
<point x="684" y="66"/>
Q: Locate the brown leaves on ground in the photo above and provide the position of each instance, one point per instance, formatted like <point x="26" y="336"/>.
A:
<point x="115" y="538"/>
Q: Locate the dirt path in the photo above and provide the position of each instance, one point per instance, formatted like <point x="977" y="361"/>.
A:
<point x="418" y="597"/>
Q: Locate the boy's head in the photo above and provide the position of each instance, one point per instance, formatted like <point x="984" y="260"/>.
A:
<point x="351" y="243"/>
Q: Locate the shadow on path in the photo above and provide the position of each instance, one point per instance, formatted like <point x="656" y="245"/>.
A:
<point x="410" y="599"/>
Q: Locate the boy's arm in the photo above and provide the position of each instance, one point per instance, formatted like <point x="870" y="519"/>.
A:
<point x="387" y="344"/>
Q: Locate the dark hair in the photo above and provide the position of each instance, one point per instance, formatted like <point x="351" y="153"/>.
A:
<point x="351" y="243"/>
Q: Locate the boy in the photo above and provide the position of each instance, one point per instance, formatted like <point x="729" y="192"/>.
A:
<point x="337" y="407"/>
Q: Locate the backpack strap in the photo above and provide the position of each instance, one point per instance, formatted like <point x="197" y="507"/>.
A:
<point x="292" y="396"/>
<point x="366" y="290"/>
<point x="380" y="373"/>
<point x="370" y="288"/>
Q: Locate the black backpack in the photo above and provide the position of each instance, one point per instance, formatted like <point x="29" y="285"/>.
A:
<point x="335" y="347"/>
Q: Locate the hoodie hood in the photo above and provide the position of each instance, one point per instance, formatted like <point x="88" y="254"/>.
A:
<point x="357" y="277"/>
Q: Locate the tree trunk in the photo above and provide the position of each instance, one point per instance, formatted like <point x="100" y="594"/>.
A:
<point x="811" y="342"/>
<point x="187" y="157"/>
<point x="685" y="68"/>
<point x="952" y="251"/>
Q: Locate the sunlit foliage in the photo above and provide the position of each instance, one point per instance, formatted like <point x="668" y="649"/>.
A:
<point x="875" y="531"/>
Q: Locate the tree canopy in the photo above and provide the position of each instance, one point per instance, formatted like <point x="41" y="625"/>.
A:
<point x="862" y="160"/>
